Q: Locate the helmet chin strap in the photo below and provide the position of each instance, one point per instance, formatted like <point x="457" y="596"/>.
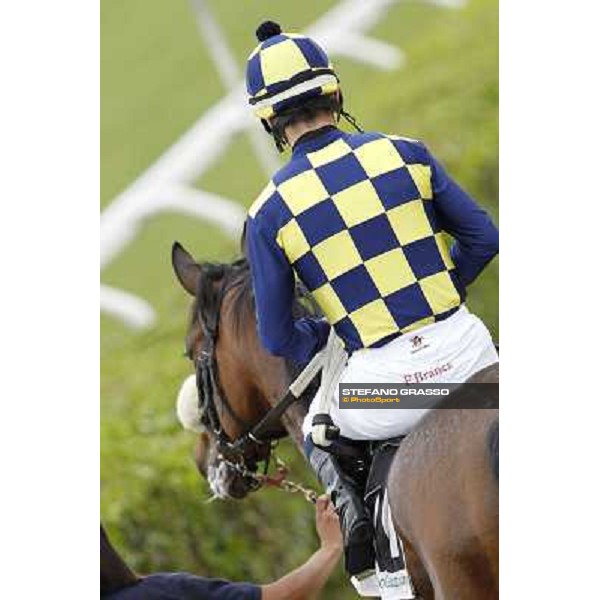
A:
<point x="347" y="116"/>
<point x="266" y="125"/>
<point x="269" y="130"/>
<point x="350" y="119"/>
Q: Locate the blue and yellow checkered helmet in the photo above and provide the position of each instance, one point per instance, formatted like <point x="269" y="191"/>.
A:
<point x="286" y="69"/>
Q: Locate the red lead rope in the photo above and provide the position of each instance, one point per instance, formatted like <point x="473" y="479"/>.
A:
<point x="279" y="481"/>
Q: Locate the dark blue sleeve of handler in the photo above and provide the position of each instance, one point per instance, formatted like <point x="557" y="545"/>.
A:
<point x="274" y="288"/>
<point x="476" y="237"/>
<point x="184" y="586"/>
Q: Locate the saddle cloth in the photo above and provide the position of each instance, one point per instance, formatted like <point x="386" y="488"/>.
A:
<point x="450" y="351"/>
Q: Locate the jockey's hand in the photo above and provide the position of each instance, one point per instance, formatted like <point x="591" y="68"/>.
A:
<point x="328" y="524"/>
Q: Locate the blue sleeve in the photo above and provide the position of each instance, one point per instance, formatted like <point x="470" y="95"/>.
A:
<point x="476" y="237"/>
<point x="274" y="288"/>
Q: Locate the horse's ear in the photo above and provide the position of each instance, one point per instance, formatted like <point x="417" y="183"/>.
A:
<point x="188" y="271"/>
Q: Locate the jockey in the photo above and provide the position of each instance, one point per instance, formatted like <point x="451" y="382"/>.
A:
<point x="360" y="219"/>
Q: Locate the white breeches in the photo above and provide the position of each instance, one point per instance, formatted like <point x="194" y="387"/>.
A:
<point x="450" y="351"/>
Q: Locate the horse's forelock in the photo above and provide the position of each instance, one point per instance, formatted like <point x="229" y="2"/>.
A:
<point x="208" y="294"/>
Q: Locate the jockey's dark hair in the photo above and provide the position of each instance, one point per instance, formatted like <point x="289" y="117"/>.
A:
<point x="114" y="572"/>
<point x="307" y="111"/>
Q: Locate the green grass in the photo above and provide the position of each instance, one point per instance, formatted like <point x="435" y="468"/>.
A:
<point x="157" y="79"/>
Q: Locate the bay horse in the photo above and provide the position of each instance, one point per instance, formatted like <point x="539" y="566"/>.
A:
<point x="443" y="482"/>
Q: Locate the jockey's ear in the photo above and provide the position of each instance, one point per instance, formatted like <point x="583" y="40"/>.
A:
<point x="186" y="268"/>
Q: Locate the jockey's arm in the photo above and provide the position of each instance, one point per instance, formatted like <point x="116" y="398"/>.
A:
<point x="476" y="237"/>
<point x="274" y="289"/>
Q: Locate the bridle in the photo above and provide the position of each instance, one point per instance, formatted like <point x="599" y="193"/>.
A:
<point x="207" y="375"/>
<point x="261" y="436"/>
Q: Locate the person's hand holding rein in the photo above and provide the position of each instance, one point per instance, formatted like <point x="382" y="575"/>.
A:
<point x="308" y="580"/>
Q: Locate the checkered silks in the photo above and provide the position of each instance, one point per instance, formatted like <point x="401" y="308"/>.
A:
<point x="356" y="220"/>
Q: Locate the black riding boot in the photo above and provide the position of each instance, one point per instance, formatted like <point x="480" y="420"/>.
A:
<point x="356" y="525"/>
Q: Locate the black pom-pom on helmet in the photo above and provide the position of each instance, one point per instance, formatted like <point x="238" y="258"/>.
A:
<point x="267" y="30"/>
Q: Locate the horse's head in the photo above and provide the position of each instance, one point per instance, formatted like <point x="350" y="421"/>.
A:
<point x="222" y="342"/>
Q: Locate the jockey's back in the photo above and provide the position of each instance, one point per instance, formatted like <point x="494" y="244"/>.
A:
<point x="360" y="219"/>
